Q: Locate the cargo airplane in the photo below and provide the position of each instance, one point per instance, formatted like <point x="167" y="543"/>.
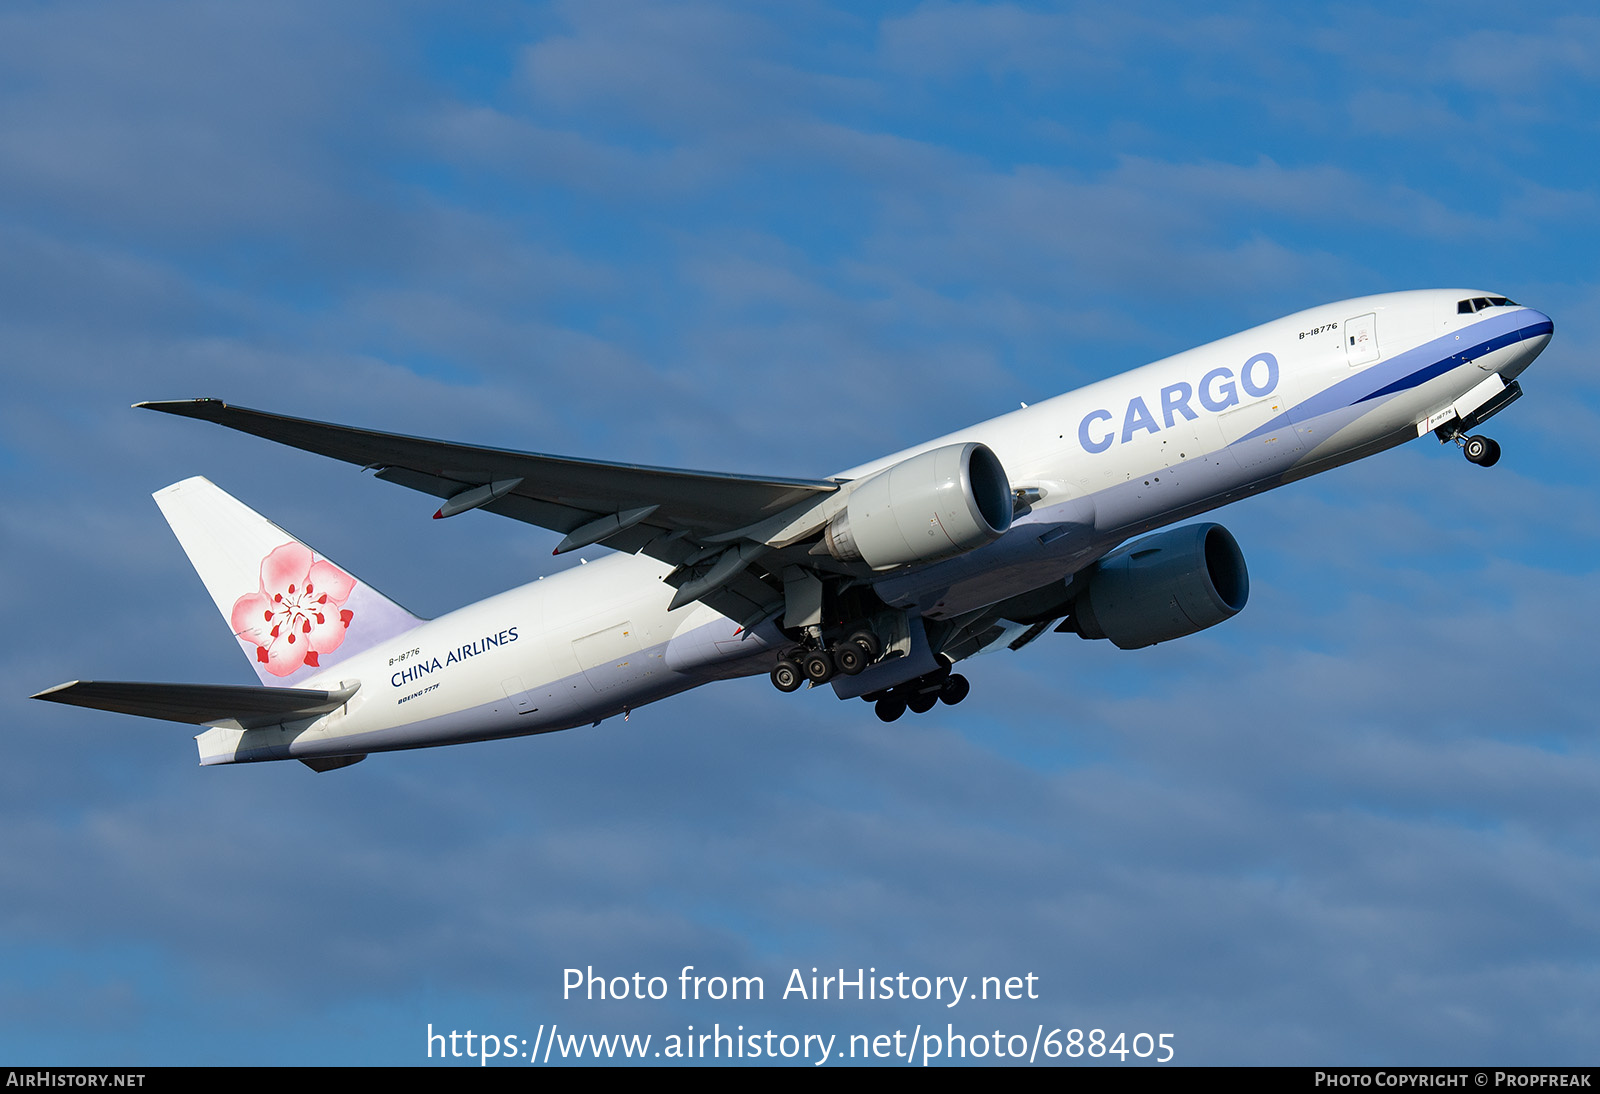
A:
<point x="876" y="581"/>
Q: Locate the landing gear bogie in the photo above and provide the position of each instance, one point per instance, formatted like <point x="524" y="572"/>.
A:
<point x="920" y="695"/>
<point x="818" y="663"/>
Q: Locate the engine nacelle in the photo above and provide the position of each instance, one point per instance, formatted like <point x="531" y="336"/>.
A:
<point x="1163" y="587"/>
<point x="932" y="506"/>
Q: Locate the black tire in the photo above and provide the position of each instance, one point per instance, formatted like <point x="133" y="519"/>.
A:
<point x="818" y="666"/>
<point x="1476" y="449"/>
<point x="954" y="690"/>
<point x="1492" y="456"/>
<point x="922" y="702"/>
<point x="849" y="658"/>
<point x="786" y="676"/>
<point x="869" y="644"/>
<point x="890" y="708"/>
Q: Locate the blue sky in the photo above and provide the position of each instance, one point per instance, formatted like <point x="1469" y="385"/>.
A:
<point x="1353" y="825"/>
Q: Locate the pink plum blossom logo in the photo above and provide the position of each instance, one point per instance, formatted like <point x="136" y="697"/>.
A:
<point x="296" y="616"/>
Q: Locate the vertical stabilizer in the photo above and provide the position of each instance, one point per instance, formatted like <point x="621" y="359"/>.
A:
<point x="292" y="611"/>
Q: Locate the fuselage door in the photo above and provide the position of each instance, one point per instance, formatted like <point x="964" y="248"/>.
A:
<point x="1361" y="339"/>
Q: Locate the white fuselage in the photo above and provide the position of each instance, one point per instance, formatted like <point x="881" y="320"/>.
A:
<point x="1111" y="460"/>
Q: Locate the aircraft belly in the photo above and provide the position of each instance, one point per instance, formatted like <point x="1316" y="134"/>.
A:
<point x="1064" y="539"/>
<point x="718" y="649"/>
<point x="1049" y="542"/>
<point x="618" y="682"/>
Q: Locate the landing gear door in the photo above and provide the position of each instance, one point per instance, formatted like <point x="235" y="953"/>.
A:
<point x="1361" y="339"/>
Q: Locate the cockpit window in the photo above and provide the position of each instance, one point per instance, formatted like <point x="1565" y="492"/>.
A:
<point x="1467" y="307"/>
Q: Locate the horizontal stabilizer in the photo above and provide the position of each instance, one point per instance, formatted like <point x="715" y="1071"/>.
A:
<point x="201" y="704"/>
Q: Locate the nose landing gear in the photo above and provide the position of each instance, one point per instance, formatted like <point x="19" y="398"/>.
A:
<point x="1481" y="450"/>
<point x="1477" y="448"/>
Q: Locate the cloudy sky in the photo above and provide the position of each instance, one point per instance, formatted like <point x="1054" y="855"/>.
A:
<point x="1354" y="825"/>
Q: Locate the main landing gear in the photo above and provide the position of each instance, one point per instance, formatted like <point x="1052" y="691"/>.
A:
<point x="818" y="665"/>
<point x="919" y="695"/>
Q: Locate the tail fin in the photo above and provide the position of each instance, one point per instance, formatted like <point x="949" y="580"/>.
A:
<point x="293" y="612"/>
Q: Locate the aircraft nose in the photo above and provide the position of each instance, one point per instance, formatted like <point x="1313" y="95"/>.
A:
<point x="1535" y="334"/>
<point x="1537" y="331"/>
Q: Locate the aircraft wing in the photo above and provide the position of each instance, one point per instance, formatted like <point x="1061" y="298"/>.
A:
<point x="691" y="519"/>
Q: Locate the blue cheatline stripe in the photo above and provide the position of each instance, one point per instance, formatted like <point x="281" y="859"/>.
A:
<point x="1406" y="370"/>
<point x="1439" y="368"/>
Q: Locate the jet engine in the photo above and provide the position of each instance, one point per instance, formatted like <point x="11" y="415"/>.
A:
<point x="935" y="505"/>
<point x="1163" y="587"/>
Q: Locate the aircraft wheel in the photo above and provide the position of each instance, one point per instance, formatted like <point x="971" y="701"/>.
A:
<point x="954" y="690"/>
<point x="890" y="708"/>
<point x="818" y="666"/>
<point x="786" y="676"/>
<point x="870" y="646"/>
<point x="849" y="658"/>
<point x="922" y="702"/>
<point x="1481" y="451"/>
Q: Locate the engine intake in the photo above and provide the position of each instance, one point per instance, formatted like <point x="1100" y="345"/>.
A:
<point x="1163" y="587"/>
<point x="932" y="506"/>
